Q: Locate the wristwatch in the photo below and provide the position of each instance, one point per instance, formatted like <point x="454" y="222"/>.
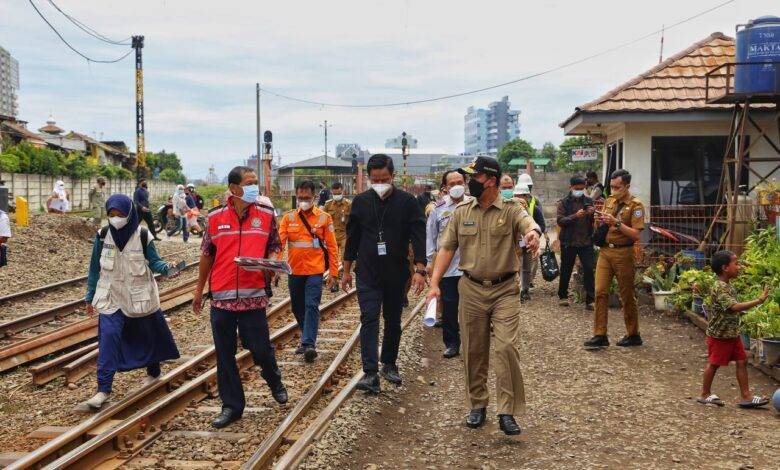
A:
<point x="421" y="272"/>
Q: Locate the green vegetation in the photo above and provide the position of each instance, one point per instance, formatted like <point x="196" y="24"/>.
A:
<point x="517" y="148"/>
<point x="212" y="191"/>
<point x="166" y="165"/>
<point x="762" y="268"/>
<point x="563" y="158"/>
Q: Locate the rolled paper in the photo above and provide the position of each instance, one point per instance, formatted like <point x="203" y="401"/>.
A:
<point x="430" y="314"/>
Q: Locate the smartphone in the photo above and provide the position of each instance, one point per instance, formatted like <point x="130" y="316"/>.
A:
<point x="179" y="267"/>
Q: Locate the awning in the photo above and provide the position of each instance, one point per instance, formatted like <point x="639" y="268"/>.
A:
<point x="517" y="162"/>
<point x="540" y="161"/>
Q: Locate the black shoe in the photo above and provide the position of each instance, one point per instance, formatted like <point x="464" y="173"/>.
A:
<point x="310" y="354"/>
<point x="507" y="424"/>
<point x="369" y="384"/>
<point x="476" y="418"/>
<point x="279" y="393"/>
<point x="390" y="373"/>
<point x="226" y="417"/>
<point x="300" y="349"/>
<point x="450" y="352"/>
<point x="598" y="341"/>
<point x="524" y="295"/>
<point x="633" y="340"/>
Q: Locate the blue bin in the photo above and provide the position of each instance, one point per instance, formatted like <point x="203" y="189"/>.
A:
<point x="698" y="258"/>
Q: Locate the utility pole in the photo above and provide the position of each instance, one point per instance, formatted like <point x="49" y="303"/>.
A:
<point x="325" y="126"/>
<point x="661" y="54"/>
<point x="140" y="145"/>
<point x="404" y="147"/>
<point x="260" y="174"/>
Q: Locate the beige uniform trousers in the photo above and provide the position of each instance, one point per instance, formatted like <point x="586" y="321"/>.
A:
<point x="617" y="262"/>
<point x="479" y="307"/>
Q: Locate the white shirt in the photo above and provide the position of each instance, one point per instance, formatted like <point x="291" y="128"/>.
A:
<point x="5" y="225"/>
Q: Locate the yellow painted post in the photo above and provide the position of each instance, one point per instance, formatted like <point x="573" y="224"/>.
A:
<point x="215" y="202"/>
<point x="22" y="212"/>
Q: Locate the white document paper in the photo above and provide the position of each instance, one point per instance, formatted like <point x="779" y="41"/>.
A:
<point x="430" y="314"/>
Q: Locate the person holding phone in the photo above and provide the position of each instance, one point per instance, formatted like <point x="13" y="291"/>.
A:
<point x="575" y="217"/>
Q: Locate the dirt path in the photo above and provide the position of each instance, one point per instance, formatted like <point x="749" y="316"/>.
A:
<point x="616" y="408"/>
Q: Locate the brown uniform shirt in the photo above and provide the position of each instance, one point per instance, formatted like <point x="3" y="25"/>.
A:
<point x="488" y="238"/>
<point x="632" y="213"/>
<point x="339" y="212"/>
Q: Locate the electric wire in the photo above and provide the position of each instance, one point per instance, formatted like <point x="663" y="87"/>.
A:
<point x="498" y="85"/>
<point x="91" y="31"/>
<point x="89" y="59"/>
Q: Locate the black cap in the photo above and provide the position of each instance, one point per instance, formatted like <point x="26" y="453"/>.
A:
<point x="577" y="179"/>
<point x="486" y="165"/>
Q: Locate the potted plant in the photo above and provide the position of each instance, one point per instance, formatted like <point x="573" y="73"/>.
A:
<point x="662" y="277"/>
<point x="768" y="193"/>
<point x="698" y="284"/>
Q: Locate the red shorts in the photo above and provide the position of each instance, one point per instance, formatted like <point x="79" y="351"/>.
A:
<point x="721" y="351"/>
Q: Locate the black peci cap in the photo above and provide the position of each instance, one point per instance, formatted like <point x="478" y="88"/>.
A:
<point x="577" y="179"/>
<point x="485" y="165"/>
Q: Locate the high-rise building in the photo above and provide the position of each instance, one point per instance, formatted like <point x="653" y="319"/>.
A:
<point x="487" y="130"/>
<point x="9" y="84"/>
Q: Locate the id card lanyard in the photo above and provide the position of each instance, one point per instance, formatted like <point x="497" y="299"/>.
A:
<point x="381" y="246"/>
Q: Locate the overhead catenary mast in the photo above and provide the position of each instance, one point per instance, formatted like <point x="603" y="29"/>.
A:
<point x="140" y="144"/>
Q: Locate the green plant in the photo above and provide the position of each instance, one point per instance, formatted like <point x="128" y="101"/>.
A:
<point x="703" y="280"/>
<point x="212" y="191"/>
<point x="115" y="172"/>
<point x="762" y="321"/>
<point x="175" y="176"/>
<point x="9" y="163"/>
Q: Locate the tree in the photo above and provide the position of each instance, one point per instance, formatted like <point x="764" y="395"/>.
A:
<point x="548" y="151"/>
<point x="517" y="148"/>
<point x="169" y="174"/>
<point x="563" y="160"/>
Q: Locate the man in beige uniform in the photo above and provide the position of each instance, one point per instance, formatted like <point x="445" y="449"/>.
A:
<point x="338" y="208"/>
<point x="624" y="214"/>
<point x="487" y="229"/>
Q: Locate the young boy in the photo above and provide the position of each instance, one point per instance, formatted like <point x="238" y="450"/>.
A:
<point x="723" y="342"/>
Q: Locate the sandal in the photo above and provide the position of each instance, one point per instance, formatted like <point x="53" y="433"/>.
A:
<point x="711" y="400"/>
<point x="756" y="402"/>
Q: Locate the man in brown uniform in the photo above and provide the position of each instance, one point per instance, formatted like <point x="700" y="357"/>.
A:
<point x="338" y="208"/>
<point x="487" y="229"/>
<point x="625" y="216"/>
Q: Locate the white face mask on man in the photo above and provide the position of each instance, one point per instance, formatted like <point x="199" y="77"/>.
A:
<point x="381" y="189"/>
<point x="118" y="222"/>
<point x="303" y="205"/>
<point x="457" y="191"/>
<point x="338" y="197"/>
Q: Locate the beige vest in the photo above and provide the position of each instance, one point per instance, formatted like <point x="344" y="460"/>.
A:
<point x="126" y="282"/>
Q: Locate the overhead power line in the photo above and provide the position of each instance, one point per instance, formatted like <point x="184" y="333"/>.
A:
<point x="91" y="31"/>
<point x="498" y="85"/>
<point x="89" y="59"/>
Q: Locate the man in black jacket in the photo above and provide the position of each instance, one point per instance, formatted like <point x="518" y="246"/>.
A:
<point x="141" y="201"/>
<point x="575" y="217"/>
<point x="382" y="222"/>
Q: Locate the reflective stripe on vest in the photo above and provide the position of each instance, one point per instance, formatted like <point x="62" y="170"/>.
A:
<point x="532" y="206"/>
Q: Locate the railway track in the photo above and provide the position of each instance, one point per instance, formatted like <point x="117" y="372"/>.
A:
<point x="162" y="400"/>
<point x="33" y="336"/>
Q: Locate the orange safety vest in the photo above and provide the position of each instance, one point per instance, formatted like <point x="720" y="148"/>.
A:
<point x="304" y="253"/>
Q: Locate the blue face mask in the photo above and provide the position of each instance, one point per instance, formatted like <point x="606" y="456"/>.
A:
<point x="577" y="192"/>
<point x="251" y="192"/>
<point x="507" y="193"/>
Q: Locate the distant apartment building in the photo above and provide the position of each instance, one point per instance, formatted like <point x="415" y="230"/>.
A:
<point x="9" y="84"/>
<point x="487" y="130"/>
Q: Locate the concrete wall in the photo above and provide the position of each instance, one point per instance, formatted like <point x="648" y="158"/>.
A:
<point x="37" y="188"/>
<point x="638" y="137"/>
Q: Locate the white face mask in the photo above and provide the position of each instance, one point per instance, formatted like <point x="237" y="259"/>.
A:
<point x="382" y="189"/>
<point x="118" y="222"/>
<point x="457" y="191"/>
<point x="303" y="205"/>
<point x="338" y="197"/>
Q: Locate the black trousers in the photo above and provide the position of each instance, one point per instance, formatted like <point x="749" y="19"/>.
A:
<point x="253" y="327"/>
<point x="372" y="298"/>
<point x="147" y="217"/>
<point x="449" y="318"/>
<point x="588" y="259"/>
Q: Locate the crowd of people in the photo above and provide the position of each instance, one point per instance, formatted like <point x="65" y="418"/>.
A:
<point x="472" y="242"/>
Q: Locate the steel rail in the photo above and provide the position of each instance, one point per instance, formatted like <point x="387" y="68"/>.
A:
<point x="112" y="447"/>
<point x="126" y="407"/>
<point x="29" y="349"/>
<point x="303" y="444"/>
<point x="17" y="325"/>
<point x="54" y="285"/>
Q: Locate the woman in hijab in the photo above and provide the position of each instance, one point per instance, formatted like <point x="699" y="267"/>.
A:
<point x="58" y="202"/>
<point x="132" y="331"/>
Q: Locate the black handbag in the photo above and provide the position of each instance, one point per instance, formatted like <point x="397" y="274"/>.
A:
<point x="548" y="262"/>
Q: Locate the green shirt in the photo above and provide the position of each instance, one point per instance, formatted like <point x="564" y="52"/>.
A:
<point x="723" y="322"/>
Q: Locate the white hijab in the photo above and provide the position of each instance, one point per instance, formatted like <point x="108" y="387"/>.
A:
<point x="59" y="190"/>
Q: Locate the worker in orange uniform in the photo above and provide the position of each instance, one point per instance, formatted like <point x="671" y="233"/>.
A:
<point x="311" y="250"/>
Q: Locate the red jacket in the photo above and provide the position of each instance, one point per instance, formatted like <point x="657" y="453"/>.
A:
<point x="233" y="237"/>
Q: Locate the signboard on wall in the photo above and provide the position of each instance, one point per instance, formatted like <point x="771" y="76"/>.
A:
<point x="586" y="154"/>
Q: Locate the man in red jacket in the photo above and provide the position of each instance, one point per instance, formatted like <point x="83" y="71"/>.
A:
<point x="242" y="227"/>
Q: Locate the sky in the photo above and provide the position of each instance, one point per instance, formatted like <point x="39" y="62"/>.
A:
<point x="202" y="60"/>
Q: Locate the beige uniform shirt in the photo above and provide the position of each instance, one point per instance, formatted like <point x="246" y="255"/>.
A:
<point x="632" y="213"/>
<point x="339" y="212"/>
<point x="488" y="238"/>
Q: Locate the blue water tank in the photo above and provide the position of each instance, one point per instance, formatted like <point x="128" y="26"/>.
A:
<point x="758" y="42"/>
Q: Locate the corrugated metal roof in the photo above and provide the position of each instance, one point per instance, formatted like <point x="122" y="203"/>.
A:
<point x="676" y="84"/>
